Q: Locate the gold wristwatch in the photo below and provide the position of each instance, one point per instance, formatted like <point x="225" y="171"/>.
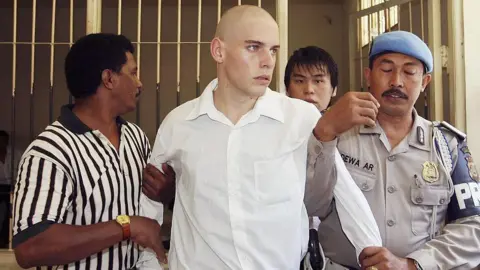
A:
<point x="124" y="221"/>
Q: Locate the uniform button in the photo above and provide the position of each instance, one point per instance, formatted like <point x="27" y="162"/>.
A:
<point x="442" y="201"/>
<point x="391" y="189"/>
<point x="364" y="186"/>
<point x="391" y="158"/>
<point x="390" y="223"/>
<point x="419" y="199"/>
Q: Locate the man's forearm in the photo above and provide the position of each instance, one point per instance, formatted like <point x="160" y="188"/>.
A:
<point x="319" y="187"/>
<point x="452" y="249"/>
<point x="63" y="244"/>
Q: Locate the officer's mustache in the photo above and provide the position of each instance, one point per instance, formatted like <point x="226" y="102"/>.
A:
<point x="395" y="92"/>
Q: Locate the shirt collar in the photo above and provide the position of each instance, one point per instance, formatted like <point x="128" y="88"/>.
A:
<point x="419" y="136"/>
<point x="269" y="104"/>
<point x="69" y="120"/>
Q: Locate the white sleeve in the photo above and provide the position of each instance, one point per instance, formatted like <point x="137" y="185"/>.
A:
<point x="149" y="208"/>
<point x="356" y="217"/>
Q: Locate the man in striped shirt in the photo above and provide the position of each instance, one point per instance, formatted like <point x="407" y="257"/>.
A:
<point x="78" y="192"/>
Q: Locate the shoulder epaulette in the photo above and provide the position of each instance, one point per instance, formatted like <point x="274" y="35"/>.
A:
<point x="460" y="135"/>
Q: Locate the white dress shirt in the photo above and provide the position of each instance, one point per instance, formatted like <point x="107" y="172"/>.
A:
<point x="240" y="188"/>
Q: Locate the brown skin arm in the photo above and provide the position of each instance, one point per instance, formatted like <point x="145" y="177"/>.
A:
<point x="63" y="244"/>
<point x="158" y="186"/>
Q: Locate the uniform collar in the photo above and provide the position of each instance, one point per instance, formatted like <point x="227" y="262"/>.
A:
<point x="70" y="121"/>
<point x="269" y="104"/>
<point x="419" y="136"/>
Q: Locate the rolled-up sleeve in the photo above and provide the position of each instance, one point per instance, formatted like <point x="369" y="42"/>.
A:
<point x="321" y="178"/>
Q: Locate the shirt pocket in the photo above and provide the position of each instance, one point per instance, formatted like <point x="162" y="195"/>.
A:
<point x="276" y="180"/>
<point x="424" y="199"/>
<point x="364" y="180"/>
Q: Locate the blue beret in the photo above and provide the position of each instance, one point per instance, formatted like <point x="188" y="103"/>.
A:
<point x="405" y="43"/>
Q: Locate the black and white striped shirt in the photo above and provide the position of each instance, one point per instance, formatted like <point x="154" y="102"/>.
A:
<point x="73" y="175"/>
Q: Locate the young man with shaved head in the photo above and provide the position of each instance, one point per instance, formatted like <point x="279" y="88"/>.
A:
<point x="239" y="154"/>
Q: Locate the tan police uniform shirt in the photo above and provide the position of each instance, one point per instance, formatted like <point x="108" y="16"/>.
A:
<point x="406" y="195"/>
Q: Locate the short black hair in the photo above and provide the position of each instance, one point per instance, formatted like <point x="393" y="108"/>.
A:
<point x="312" y="56"/>
<point x="4" y="134"/>
<point x="90" y="56"/>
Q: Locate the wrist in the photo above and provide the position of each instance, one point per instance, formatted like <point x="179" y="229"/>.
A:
<point x="323" y="131"/>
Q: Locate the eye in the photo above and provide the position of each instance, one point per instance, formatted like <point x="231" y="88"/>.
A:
<point x="274" y="51"/>
<point x="298" y="81"/>
<point x="410" y="72"/>
<point x="253" y="48"/>
<point x="386" y="70"/>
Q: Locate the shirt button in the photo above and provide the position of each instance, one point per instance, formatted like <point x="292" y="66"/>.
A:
<point x="442" y="201"/>
<point x="364" y="186"/>
<point x="419" y="199"/>
<point x="391" y="189"/>
<point x="391" y="158"/>
<point x="390" y="223"/>
<point x="318" y="150"/>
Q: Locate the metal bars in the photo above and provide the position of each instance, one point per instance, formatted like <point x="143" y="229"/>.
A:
<point x="179" y="36"/>
<point x="52" y="57"/>
<point x="139" y="47"/>
<point x="199" y="33"/>
<point x="32" y="68"/>
<point x="159" y="36"/>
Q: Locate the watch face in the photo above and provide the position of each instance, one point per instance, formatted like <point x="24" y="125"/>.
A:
<point x="123" y="219"/>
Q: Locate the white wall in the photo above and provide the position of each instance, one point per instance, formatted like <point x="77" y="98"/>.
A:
<point x="472" y="80"/>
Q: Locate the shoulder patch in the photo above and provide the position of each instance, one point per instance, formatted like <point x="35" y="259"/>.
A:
<point x="460" y="135"/>
<point x="466" y="180"/>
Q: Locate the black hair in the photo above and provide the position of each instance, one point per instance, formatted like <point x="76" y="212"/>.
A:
<point x="89" y="57"/>
<point x="309" y="57"/>
<point x="4" y="134"/>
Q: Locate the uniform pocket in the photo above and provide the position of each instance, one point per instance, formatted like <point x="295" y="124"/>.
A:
<point x="365" y="181"/>
<point x="423" y="200"/>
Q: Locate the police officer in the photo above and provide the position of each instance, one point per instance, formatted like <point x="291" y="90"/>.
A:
<point x="418" y="176"/>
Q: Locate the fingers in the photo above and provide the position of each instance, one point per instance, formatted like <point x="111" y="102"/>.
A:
<point x="367" y="97"/>
<point x="374" y="260"/>
<point x="153" y="182"/>
<point x="149" y="192"/>
<point x="367" y="112"/>
<point x="367" y="104"/>
<point x="169" y="172"/>
<point x="160" y="251"/>
<point x="368" y="252"/>
<point x="153" y="171"/>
